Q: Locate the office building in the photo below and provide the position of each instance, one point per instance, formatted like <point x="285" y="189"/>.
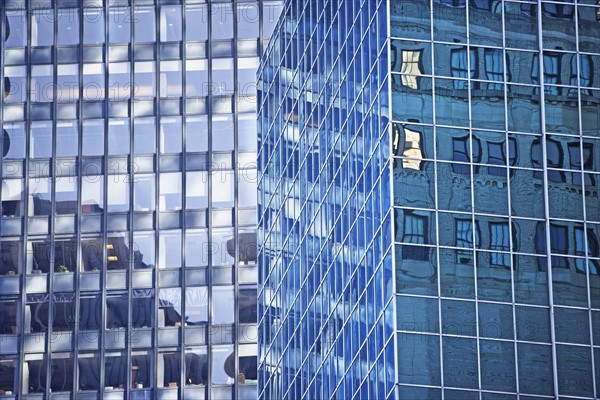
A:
<point x="128" y="229"/>
<point x="429" y="219"/>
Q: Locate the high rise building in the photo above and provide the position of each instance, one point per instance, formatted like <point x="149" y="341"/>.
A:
<point x="128" y="229"/>
<point x="429" y="219"/>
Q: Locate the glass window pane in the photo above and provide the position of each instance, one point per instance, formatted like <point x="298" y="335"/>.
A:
<point x="42" y="27"/>
<point x="169" y="249"/>
<point x="170" y="191"/>
<point x="67" y="82"/>
<point x="170" y="135"/>
<point x="144" y="141"/>
<point x="196" y="305"/>
<point x="93" y="26"/>
<point x="196" y="72"/>
<point x="247" y="193"/>
<point x="196" y="248"/>
<point x="17" y="77"/>
<point x="68" y="26"/>
<point x="93" y="81"/>
<point x="143" y="250"/>
<point x="197" y="134"/>
<point x="143" y="192"/>
<point x="222" y="21"/>
<point x="198" y="29"/>
<point x="118" y="137"/>
<point x="118" y="193"/>
<point x="222" y="133"/>
<point x="93" y="138"/>
<point x="16" y="135"/>
<point x="12" y="197"/>
<point x="18" y="29"/>
<point x="196" y="191"/>
<point x="170" y="78"/>
<point x="66" y="139"/>
<point x="223" y="305"/>
<point x="222" y="188"/>
<point x="170" y="23"/>
<point x="119" y="25"/>
<point x="41" y="139"/>
<point x="92" y="194"/>
<point x="223" y="365"/>
<point x="145" y="79"/>
<point x="42" y="83"/>
<point x="145" y="24"/>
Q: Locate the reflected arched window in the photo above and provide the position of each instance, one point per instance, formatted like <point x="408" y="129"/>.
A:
<point x="415" y="231"/>
<point x="554" y="159"/>
<point x="499" y="241"/>
<point x="494" y="68"/>
<point x="586" y="73"/>
<point x="464" y="238"/>
<point x="463" y="65"/>
<point x="552" y="69"/>
<point x="411" y="65"/>
<point x="461" y="152"/>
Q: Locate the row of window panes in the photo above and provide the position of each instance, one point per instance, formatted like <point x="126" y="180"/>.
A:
<point x="168" y="372"/>
<point x="142" y="310"/>
<point x="143" y="19"/>
<point x="93" y="132"/>
<point x="67" y="88"/>
<point x="199" y="251"/>
<point x="92" y="193"/>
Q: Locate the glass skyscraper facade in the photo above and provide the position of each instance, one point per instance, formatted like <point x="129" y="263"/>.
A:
<point x="429" y="220"/>
<point x="128" y="228"/>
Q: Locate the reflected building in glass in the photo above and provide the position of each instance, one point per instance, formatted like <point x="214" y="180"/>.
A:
<point x="128" y="202"/>
<point x="429" y="219"/>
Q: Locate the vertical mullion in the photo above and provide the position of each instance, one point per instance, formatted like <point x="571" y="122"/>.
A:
<point x="156" y="310"/>
<point x="183" y="196"/>
<point x="211" y="168"/>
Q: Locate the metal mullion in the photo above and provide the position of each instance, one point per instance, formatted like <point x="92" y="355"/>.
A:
<point x="105" y="177"/>
<point x="511" y="238"/>
<point x="210" y="171"/>
<point x="436" y="205"/>
<point x="130" y="179"/>
<point x="25" y="216"/>
<point x="583" y="192"/>
<point x="79" y="177"/>
<point x="540" y="55"/>
<point x="52" y="217"/>
<point x="156" y="310"/>
<point x="183" y="219"/>
<point x="236" y="176"/>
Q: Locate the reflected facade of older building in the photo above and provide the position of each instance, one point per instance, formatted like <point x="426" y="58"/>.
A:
<point x="429" y="219"/>
<point x="128" y="201"/>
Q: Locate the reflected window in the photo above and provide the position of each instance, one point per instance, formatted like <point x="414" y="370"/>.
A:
<point x="497" y="156"/>
<point x="559" y="244"/>
<point x="588" y="162"/>
<point x="89" y="371"/>
<point x="585" y="74"/>
<point x="411" y="64"/>
<point x="551" y="72"/>
<point x="464" y="239"/>
<point x="463" y="64"/>
<point x="500" y="241"/>
<point x="494" y="68"/>
<point x="413" y="151"/>
<point x="461" y="152"/>
<point x="554" y="160"/>
<point x="415" y="231"/>
<point x="593" y="250"/>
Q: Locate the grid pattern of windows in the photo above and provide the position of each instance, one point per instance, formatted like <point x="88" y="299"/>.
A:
<point x="325" y="259"/>
<point x="493" y="153"/>
<point x="508" y="302"/>
<point x="128" y="202"/>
